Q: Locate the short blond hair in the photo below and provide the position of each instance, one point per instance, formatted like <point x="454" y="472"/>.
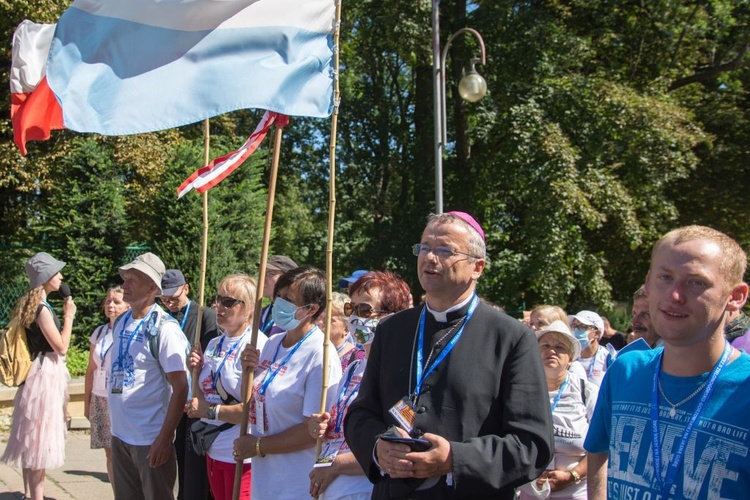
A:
<point x="733" y="258"/>
<point x="245" y="289"/>
<point x="555" y="312"/>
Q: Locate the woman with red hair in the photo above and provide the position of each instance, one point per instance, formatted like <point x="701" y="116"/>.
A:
<point x="337" y="474"/>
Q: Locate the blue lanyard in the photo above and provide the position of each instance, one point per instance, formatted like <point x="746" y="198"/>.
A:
<point x="590" y="371"/>
<point x="132" y="335"/>
<point x="184" y="318"/>
<point x="676" y="461"/>
<point x="342" y="402"/>
<point x="444" y="353"/>
<point x="217" y="352"/>
<point x="102" y="352"/>
<point x="268" y="320"/>
<point x="559" y="393"/>
<point x="271" y="373"/>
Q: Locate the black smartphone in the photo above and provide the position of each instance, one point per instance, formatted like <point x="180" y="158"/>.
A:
<point x="416" y="444"/>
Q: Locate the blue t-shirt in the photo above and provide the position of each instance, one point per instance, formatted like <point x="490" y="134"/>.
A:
<point x="715" y="464"/>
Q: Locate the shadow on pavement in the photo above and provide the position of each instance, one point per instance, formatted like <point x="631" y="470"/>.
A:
<point x="16" y="495"/>
<point x="101" y="476"/>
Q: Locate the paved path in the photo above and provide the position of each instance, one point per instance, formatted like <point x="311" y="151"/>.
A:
<point x="83" y="477"/>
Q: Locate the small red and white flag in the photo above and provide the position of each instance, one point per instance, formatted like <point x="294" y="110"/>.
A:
<point x="34" y="110"/>
<point x="207" y="177"/>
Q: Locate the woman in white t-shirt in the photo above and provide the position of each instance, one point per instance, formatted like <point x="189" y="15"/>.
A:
<point x="287" y="389"/>
<point x="337" y="475"/>
<point x="95" y="407"/>
<point x="219" y="400"/>
<point x="572" y="400"/>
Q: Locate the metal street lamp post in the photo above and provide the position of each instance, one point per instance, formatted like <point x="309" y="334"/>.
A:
<point x="471" y="88"/>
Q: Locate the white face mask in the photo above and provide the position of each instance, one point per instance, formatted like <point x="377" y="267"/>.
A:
<point x="362" y="329"/>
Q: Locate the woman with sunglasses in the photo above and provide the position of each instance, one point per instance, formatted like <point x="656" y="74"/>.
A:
<point x="337" y="474"/>
<point x="287" y="388"/>
<point x="219" y="401"/>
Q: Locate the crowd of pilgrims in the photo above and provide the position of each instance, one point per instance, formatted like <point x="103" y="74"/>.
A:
<point x="279" y="451"/>
<point x="572" y="348"/>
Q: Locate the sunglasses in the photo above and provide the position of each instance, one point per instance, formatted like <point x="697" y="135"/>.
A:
<point x="228" y="302"/>
<point x="362" y="310"/>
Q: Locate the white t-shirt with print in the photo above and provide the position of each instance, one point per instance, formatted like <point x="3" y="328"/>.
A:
<point x="291" y="397"/>
<point x="138" y="412"/>
<point x="344" y="486"/>
<point x="101" y="347"/>
<point x="570" y="421"/>
<point x="229" y="383"/>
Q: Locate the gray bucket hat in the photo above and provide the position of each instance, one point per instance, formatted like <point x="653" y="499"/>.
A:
<point x="150" y="265"/>
<point x="41" y="267"/>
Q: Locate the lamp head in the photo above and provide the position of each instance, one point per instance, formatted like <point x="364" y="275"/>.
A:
<point x="472" y="86"/>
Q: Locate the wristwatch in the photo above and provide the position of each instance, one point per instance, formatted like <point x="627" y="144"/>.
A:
<point x="576" y="476"/>
<point x="211" y="415"/>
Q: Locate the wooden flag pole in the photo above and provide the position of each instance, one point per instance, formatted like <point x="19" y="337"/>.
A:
<point x="331" y="215"/>
<point x="204" y="258"/>
<point x="247" y="375"/>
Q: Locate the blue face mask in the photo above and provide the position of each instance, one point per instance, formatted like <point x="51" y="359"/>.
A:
<point x="283" y="314"/>
<point x="582" y="334"/>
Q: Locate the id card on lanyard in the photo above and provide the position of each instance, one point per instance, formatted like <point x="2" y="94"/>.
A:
<point x="333" y="447"/>
<point x="403" y="410"/>
<point x="124" y="361"/>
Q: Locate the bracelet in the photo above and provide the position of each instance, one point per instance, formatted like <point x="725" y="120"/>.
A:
<point x="258" y="453"/>
<point x="575" y="475"/>
<point x="216" y="415"/>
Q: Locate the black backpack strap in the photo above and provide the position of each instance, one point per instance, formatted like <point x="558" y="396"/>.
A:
<point x="99" y="332"/>
<point x="583" y="391"/>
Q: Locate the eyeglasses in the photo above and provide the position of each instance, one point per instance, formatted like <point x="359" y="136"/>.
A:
<point x="578" y="324"/>
<point x="174" y="298"/>
<point x="362" y="310"/>
<point x="228" y="302"/>
<point x="442" y="253"/>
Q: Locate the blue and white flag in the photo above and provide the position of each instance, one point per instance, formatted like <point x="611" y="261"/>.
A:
<point x="130" y="66"/>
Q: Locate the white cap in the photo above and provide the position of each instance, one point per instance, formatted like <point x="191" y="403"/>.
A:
<point x="590" y="318"/>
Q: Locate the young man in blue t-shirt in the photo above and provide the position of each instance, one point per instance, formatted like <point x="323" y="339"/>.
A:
<point x="690" y="398"/>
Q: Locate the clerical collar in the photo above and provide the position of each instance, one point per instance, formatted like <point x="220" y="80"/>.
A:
<point x="442" y="317"/>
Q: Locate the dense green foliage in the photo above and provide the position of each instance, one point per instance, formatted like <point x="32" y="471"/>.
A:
<point x="606" y="124"/>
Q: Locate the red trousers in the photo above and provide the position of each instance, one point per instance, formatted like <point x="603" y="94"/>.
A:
<point x="221" y="479"/>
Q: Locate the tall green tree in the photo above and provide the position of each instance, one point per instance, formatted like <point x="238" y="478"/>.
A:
<point x="82" y="219"/>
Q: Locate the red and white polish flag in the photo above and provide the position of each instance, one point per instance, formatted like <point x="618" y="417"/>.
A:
<point x="207" y="177"/>
<point x="34" y="110"/>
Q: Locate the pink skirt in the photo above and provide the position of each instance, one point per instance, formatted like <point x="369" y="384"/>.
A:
<point x="37" y="436"/>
